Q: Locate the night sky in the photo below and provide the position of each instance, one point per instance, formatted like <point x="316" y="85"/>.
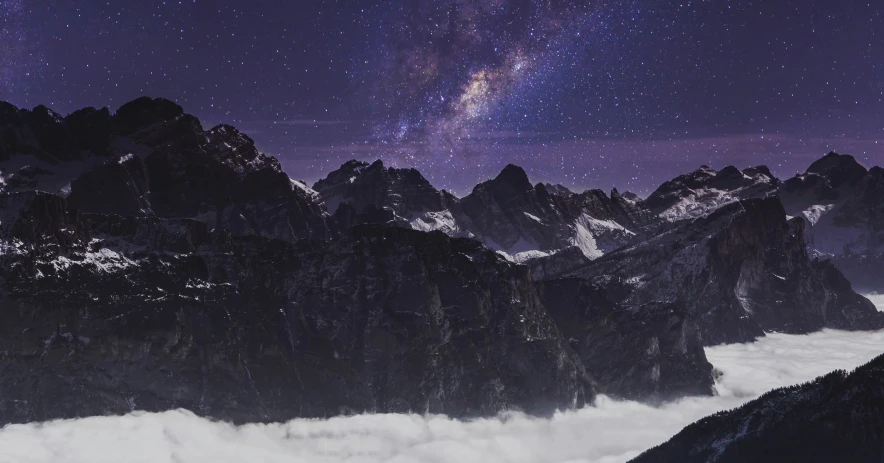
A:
<point x="590" y="94"/>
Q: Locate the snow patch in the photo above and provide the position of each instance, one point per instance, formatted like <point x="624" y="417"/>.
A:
<point x="597" y="237"/>
<point x="533" y="217"/>
<point x="104" y="260"/>
<point x="525" y="256"/>
<point x="813" y="213"/>
<point x="431" y="221"/>
<point x="698" y="203"/>
<point x="310" y="192"/>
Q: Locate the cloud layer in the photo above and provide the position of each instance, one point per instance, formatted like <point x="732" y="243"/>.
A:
<point x="612" y="431"/>
<point x="878" y="300"/>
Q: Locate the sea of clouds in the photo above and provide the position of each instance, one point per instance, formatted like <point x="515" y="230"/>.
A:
<point x="878" y="300"/>
<point x="611" y="431"/>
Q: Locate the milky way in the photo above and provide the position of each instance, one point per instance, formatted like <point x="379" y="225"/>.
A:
<point x="448" y="66"/>
<point x="590" y="94"/>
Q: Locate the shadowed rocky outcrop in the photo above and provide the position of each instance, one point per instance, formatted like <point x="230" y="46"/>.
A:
<point x="651" y="352"/>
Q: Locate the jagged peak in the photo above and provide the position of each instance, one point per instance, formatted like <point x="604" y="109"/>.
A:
<point x="87" y="111"/>
<point x="46" y="112"/>
<point x="146" y="111"/>
<point x="630" y="196"/>
<point x="762" y="170"/>
<point x="838" y="168"/>
<point x="515" y="176"/>
<point x="833" y="159"/>
<point x="8" y="113"/>
<point x="729" y="171"/>
<point x="353" y="165"/>
<point x="230" y="131"/>
<point x="557" y="188"/>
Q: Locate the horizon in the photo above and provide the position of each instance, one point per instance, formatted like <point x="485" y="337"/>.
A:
<point x="797" y="162"/>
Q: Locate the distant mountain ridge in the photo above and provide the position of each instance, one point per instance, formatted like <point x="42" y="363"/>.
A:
<point x="506" y="213"/>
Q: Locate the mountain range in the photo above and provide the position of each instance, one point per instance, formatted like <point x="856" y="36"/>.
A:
<point x="149" y="263"/>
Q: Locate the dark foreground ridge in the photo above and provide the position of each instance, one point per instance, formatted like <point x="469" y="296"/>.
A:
<point x="837" y="417"/>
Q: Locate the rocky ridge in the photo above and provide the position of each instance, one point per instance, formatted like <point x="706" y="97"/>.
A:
<point x="178" y="267"/>
<point x="151" y="264"/>
<point x="506" y="213"/>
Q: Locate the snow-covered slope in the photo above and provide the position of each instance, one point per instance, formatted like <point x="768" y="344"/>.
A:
<point x="508" y="213"/>
<point x="740" y="271"/>
<point x="705" y="190"/>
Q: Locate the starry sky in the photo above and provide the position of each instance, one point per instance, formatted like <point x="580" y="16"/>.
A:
<point x="587" y="93"/>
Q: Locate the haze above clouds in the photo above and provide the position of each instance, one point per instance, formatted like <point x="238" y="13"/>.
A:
<point x="612" y="431"/>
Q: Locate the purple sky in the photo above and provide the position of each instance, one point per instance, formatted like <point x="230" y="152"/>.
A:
<point x="573" y="90"/>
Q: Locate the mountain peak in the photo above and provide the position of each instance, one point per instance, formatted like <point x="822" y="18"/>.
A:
<point x="44" y="113"/>
<point x="8" y="113"/>
<point x="353" y="165"/>
<point x="839" y="169"/>
<point x="558" y="188"/>
<point x="146" y="111"/>
<point x="729" y="172"/>
<point x="762" y="170"/>
<point x="515" y="176"/>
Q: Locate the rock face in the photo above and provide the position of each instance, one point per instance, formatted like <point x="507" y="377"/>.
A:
<point x="659" y="352"/>
<point x="837" y="417"/>
<point x="510" y="214"/>
<point x="409" y="199"/>
<point x="741" y="270"/>
<point x="251" y="329"/>
<point x="171" y="270"/>
<point x="843" y="204"/>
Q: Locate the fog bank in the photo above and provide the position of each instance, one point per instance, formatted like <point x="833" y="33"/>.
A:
<point x="612" y="431"/>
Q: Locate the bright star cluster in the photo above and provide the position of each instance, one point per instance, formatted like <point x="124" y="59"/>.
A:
<point x="449" y="66"/>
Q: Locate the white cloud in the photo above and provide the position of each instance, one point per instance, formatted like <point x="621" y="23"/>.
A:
<point x="878" y="300"/>
<point x="610" y="432"/>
